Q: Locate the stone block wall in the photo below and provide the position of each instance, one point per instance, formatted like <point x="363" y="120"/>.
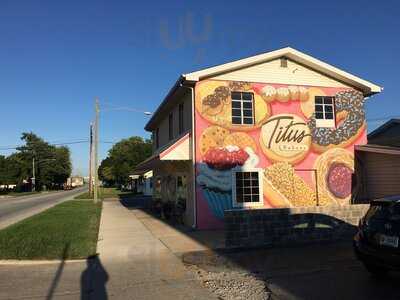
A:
<point x="291" y="226"/>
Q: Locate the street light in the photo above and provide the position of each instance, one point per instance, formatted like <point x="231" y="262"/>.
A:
<point x="33" y="170"/>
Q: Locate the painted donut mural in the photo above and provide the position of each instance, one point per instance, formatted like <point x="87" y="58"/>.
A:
<point x="274" y="145"/>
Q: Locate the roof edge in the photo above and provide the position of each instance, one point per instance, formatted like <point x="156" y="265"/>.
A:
<point x="383" y="127"/>
<point x="368" y="88"/>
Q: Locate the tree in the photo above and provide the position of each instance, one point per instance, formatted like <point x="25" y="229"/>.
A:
<point x="122" y="159"/>
<point x="52" y="168"/>
<point x="105" y="172"/>
<point x="3" y="173"/>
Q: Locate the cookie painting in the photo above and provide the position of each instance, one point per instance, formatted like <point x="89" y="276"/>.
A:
<point x="274" y="145"/>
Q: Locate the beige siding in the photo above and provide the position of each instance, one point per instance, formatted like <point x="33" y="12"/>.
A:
<point x="381" y="174"/>
<point x="187" y="120"/>
<point x="272" y="72"/>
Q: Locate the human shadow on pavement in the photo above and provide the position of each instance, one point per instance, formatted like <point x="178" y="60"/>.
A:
<point x="93" y="280"/>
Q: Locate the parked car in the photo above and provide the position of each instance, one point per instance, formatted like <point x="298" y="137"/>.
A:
<point x="376" y="243"/>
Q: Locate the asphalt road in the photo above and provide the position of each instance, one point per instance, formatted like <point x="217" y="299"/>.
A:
<point x="18" y="208"/>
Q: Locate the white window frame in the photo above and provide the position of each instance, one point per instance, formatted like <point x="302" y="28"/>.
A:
<point x="181" y="174"/>
<point x="242" y="116"/>
<point x="260" y="202"/>
<point x="325" y="122"/>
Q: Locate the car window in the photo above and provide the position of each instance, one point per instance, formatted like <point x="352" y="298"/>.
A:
<point x="386" y="211"/>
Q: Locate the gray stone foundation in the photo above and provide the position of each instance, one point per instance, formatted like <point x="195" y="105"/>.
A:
<point x="291" y="226"/>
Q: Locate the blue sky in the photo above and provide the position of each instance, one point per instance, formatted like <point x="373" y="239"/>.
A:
<point x="57" y="56"/>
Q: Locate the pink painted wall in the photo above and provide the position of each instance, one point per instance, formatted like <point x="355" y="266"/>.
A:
<point x="333" y="162"/>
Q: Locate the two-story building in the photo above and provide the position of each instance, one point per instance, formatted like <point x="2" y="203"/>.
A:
<point x="272" y="130"/>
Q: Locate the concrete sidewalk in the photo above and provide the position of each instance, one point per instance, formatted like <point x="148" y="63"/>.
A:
<point x="139" y="265"/>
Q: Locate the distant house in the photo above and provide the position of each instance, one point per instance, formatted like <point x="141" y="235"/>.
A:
<point x="386" y="135"/>
<point x="379" y="162"/>
<point x="142" y="184"/>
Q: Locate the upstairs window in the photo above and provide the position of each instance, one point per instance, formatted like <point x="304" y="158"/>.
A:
<point x="242" y="108"/>
<point x="171" y="126"/>
<point x="181" y="128"/>
<point x="325" y="111"/>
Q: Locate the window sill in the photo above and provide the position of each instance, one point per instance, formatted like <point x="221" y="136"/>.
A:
<point x="325" y="123"/>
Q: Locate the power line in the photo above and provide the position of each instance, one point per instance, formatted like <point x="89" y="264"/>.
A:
<point x="12" y="147"/>
<point x="124" y="108"/>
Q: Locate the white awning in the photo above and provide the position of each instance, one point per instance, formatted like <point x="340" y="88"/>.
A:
<point x="176" y="150"/>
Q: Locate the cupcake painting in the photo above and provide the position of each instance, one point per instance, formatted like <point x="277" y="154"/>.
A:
<point x="215" y="175"/>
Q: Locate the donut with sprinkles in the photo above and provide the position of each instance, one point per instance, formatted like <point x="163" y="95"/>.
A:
<point x="350" y="115"/>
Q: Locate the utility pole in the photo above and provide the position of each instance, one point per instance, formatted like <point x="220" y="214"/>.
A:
<point x="91" y="160"/>
<point x="33" y="175"/>
<point x="96" y="144"/>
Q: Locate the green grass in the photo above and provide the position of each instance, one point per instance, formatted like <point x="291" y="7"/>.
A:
<point x="105" y="193"/>
<point x="68" y="230"/>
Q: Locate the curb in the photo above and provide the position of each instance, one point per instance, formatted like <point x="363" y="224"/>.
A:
<point x="17" y="262"/>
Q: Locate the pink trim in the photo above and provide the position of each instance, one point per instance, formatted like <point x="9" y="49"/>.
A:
<point x="174" y="145"/>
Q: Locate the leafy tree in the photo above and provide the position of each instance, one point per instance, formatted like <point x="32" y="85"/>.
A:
<point x="3" y="166"/>
<point x="105" y="172"/>
<point x="122" y="158"/>
<point x="52" y="168"/>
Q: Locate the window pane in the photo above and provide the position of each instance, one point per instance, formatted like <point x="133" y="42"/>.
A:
<point x="247" y="120"/>
<point x="329" y="116"/>
<point x="328" y="108"/>
<point x="236" y="104"/>
<point x="236" y="95"/>
<point x="247" y="113"/>
<point x="247" y="96"/>
<point x="239" y="175"/>
<point x="236" y="112"/>
<point x="319" y="108"/>
<point x="236" y="120"/>
<point x="254" y="190"/>
<point x="318" y="100"/>
<point x="246" y="198"/>
<point x="247" y="191"/>
<point x="239" y="199"/>
<point x="319" y="115"/>
<point x="246" y="175"/>
<point x="328" y="100"/>
<point x="254" y="175"/>
<point x="248" y="105"/>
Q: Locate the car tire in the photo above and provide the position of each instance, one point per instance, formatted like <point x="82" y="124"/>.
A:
<point x="376" y="270"/>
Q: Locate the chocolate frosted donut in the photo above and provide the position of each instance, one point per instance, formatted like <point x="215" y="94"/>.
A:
<point x="222" y="93"/>
<point x="350" y="104"/>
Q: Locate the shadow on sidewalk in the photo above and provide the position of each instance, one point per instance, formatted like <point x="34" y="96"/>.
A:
<point x="93" y="280"/>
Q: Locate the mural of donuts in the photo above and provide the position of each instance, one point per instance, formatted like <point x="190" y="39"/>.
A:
<point x="269" y="133"/>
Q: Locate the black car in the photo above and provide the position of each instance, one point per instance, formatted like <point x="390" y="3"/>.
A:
<point x="377" y="243"/>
